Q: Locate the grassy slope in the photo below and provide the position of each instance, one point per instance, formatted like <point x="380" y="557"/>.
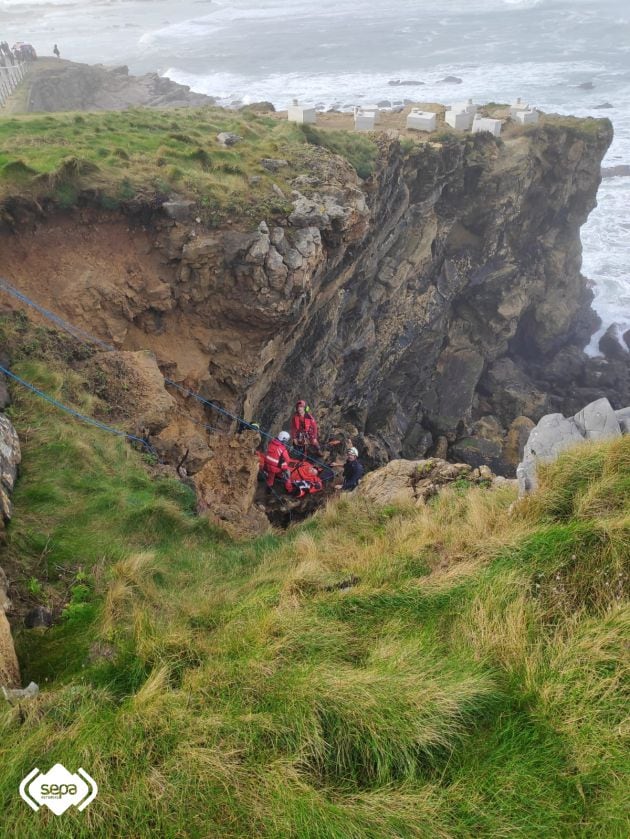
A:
<point x="470" y="683"/>
<point x="149" y="153"/>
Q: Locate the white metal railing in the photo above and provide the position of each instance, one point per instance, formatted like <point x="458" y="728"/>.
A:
<point x="10" y="77"/>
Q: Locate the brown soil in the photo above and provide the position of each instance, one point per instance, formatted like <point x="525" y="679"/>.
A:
<point x="104" y="277"/>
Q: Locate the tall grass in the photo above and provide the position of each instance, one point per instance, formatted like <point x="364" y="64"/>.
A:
<point x="469" y="678"/>
<point x="143" y="153"/>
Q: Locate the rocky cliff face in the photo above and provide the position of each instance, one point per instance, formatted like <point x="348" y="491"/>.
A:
<point x="9" y="460"/>
<point x="419" y="309"/>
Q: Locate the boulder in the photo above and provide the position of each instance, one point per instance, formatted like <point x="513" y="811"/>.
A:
<point x="404" y="83"/>
<point x="39" y="617"/>
<point x="9" y="460"/>
<point x="200" y="247"/>
<point x="610" y="344"/>
<point x="263" y="107"/>
<point x="5" y="603"/>
<point x="148" y="406"/>
<point x="440" y="448"/>
<point x="227" y="138"/>
<point x="552" y="435"/>
<point x="178" y="210"/>
<point x="555" y="433"/>
<point x="10" y="454"/>
<point x="415" y="481"/>
<point x="597" y="421"/>
<point x="489" y="428"/>
<point x="478" y="451"/>
<point x="226" y="485"/>
<point x="184" y="444"/>
<point x="272" y="164"/>
<point x="450" y="80"/>
<point x="623" y="418"/>
<point x="9" y="669"/>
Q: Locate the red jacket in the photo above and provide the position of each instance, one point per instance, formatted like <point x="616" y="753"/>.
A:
<point x="277" y="456"/>
<point x="303" y="426"/>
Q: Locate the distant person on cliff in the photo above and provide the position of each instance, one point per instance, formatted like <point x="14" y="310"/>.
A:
<point x="56" y="51"/>
<point x="352" y="471"/>
<point x="304" y="430"/>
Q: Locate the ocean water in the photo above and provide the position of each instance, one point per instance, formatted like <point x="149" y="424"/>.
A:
<point x="341" y="52"/>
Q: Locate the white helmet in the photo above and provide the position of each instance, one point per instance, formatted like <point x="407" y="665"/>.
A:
<point x="284" y="436"/>
<point x="353" y="451"/>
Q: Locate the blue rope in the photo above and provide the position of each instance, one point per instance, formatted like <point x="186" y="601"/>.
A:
<point x="205" y="425"/>
<point x="76" y="332"/>
<point x="68" y="410"/>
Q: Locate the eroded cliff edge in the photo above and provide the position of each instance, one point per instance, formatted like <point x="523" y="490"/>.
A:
<point x="435" y="302"/>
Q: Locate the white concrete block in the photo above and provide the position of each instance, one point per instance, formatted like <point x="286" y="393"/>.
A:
<point x="301" y="114"/>
<point x="517" y="106"/>
<point x="371" y="109"/>
<point x="421" y="120"/>
<point x="486" y="124"/>
<point x="460" y="120"/>
<point x="468" y="107"/>
<point x="364" y="120"/>
<point x="529" y="117"/>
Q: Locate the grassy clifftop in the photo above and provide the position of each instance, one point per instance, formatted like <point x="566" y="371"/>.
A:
<point x="149" y="154"/>
<point x="452" y="671"/>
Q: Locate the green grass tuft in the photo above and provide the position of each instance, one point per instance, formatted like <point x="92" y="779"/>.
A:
<point x="361" y="151"/>
<point x="145" y="154"/>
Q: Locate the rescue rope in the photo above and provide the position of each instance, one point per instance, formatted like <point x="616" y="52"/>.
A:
<point x="76" y="332"/>
<point x="86" y="338"/>
<point x="89" y="420"/>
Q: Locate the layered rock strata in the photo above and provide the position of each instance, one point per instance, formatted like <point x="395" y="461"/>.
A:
<point x="425" y="310"/>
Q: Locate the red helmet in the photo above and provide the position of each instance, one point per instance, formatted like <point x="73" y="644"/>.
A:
<point x="300" y="404"/>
